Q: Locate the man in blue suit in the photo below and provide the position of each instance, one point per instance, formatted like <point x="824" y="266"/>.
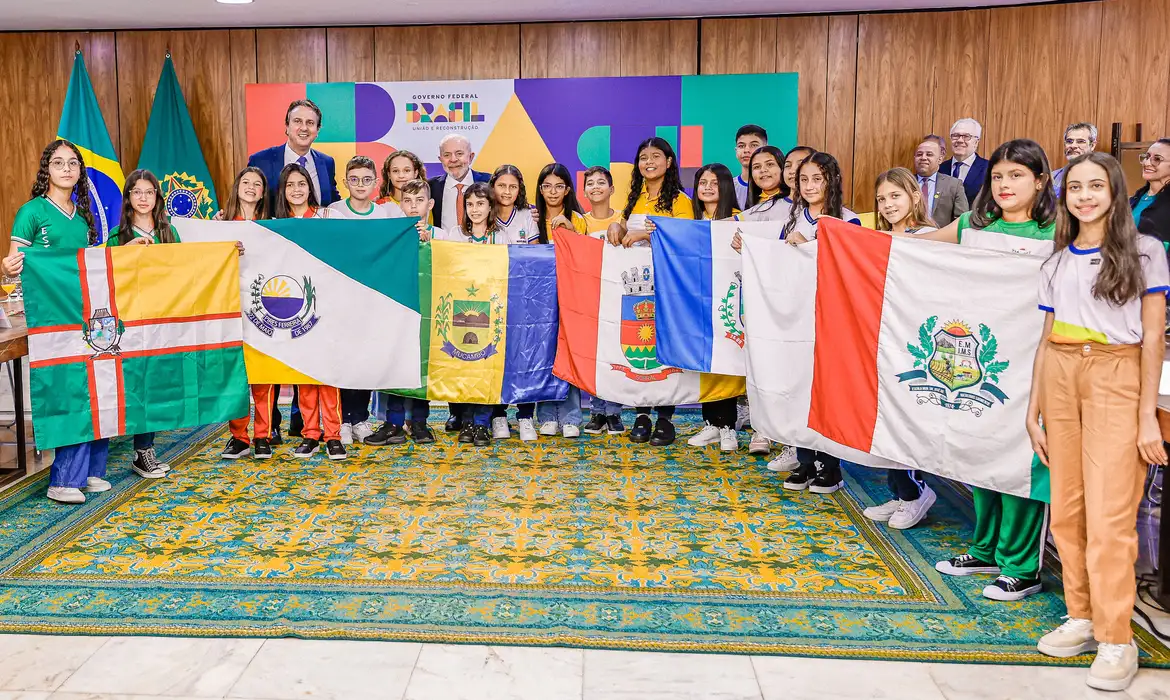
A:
<point x="447" y="189"/>
<point x="965" y="164"/>
<point x="302" y="123"/>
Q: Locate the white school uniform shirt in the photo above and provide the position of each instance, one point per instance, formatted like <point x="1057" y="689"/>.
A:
<point x="768" y="210"/>
<point x="342" y="210"/>
<point x="291" y="156"/>
<point x="1066" y="290"/>
<point x="393" y="211"/>
<point x="451" y="196"/>
<point x="807" y="226"/>
<point x="497" y="236"/>
<point x="520" y="226"/>
<point x="741" y="192"/>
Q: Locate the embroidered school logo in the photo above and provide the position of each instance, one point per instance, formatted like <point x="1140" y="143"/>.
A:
<point x="102" y="332"/>
<point x="731" y="311"/>
<point x="951" y="359"/>
<point x="186" y="196"/>
<point x="282" y="302"/>
<point x="637" y="335"/>
<point x="471" y="328"/>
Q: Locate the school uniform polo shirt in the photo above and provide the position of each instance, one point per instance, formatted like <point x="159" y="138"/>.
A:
<point x="41" y="223"/>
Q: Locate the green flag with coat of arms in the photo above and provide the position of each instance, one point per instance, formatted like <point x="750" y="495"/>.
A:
<point x="171" y="151"/>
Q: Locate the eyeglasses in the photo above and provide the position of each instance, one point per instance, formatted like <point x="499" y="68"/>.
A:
<point x="549" y="187"/>
<point x="141" y="194"/>
<point x="364" y="181"/>
<point x="1151" y="158"/>
<point x="964" y="137"/>
<point x="59" y="164"/>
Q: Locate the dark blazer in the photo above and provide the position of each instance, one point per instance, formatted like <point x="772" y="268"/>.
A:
<point x="1155" y="219"/>
<point x="271" y="162"/>
<point x="950" y="200"/>
<point x="437" y="184"/>
<point x="973" y="182"/>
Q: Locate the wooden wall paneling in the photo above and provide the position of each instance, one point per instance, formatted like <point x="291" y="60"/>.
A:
<point x="290" y="55"/>
<point x="1034" y="52"/>
<point x="802" y="47"/>
<point x="424" y="53"/>
<point x="349" y="56"/>
<point x="242" y="44"/>
<point x="202" y="61"/>
<point x="571" y="50"/>
<point x="1131" y="67"/>
<point x="390" y="51"/>
<point x="959" y="53"/>
<point x="841" y="96"/>
<point x="738" y="46"/>
<point x="665" y="47"/>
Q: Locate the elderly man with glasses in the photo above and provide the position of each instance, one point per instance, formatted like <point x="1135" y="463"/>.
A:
<point x="965" y="164"/>
<point x="1079" y="139"/>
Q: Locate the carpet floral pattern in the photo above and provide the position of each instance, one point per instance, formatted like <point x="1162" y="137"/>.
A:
<point x="589" y="542"/>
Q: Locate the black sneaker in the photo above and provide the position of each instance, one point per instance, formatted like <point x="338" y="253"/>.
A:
<point x="387" y="434"/>
<point x="595" y="426"/>
<point x="335" y="450"/>
<point x="467" y="435"/>
<point x="966" y="565"/>
<point x="641" y="431"/>
<point x="306" y="449"/>
<point x="1012" y="588"/>
<point x="235" y="449"/>
<point x="147" y="467"/>
<point x="274" y="434"/>
<point x="482" y="436"/>
<point x="295" y="424"/>
<point x="262" y="448"/>
<point x="663" y="433"/>
<point x="420" y="433"/>
<point x="801" y="477"/>
<point x="614" y="426"/>
<point x="827" y="480"/>
<point x="454" y="424"/>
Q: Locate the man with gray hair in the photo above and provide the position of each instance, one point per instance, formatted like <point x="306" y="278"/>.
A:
<point x="447" y="189"/>
<point x="965" y="164"/>
<point x="1079" y="139"/>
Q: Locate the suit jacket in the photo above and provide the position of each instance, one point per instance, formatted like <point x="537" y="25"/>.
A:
<point x="437" y="184"/>
<point x="1155" y="219"/>
<point x="973" y="182"/>
<point x="950" y="200"/>
<point x="271" y="162"/>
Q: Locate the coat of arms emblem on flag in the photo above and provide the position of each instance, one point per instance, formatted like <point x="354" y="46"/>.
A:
<point x="471" y="328"/>
<point x="638" y="337"/>
<point x="956" y="359"/>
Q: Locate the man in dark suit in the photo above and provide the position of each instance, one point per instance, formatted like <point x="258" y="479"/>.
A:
<point x="447" y="189"/>
<point x="302" y="123"/>
<point x="943" y="195"/>
<point x="965" y="164"/>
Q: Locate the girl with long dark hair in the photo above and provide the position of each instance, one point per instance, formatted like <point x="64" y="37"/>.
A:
<point x="714" y="193"/>
<point x="818" y="193"/>
<point x="295" y="198"/>
<point x="512" y="212"/>
<point x="556" y="202"/>
<point x="248" y="198"/>
<point x="399" y="168"/>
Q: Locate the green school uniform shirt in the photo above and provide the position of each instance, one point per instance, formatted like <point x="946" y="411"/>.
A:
<point x="1022" y="229"/>
<point x="139" y="233"/>
<point x="41" y="223"/>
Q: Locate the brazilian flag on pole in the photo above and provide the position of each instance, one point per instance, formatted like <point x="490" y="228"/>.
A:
<point x="171" y="151"/>
<point x="82" y="125"/>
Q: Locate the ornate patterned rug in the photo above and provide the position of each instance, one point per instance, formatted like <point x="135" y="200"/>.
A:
<point x="589" y="542"/>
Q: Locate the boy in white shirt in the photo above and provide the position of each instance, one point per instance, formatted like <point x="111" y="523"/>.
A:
<point x="361" y="177"/>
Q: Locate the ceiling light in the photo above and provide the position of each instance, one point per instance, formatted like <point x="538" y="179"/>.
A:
<point x="234" y="2"/>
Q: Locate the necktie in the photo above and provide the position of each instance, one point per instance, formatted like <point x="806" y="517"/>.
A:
<point x="958" y="169"/>
<point x="459" y="204"/>
<point x="926" y="195"/>
<point x="302" y="161"/>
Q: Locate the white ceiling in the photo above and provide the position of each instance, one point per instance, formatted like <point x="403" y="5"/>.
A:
<point x="135" y="14"/>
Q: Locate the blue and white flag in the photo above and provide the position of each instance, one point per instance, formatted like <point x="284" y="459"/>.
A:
<point x="698" y="281"/>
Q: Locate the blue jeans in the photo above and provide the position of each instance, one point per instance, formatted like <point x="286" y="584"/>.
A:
<point x="480" y="413"/>
<point x="73" y="464"/>
<point x="523" y="410"/>
<point x="905" y="484"/>
<point x="143" y="441"/>
<point x="808" y="458"/>
<point x="567" y="412"/>
<point x="603" y="407"/>
<point x="396" y="407"/>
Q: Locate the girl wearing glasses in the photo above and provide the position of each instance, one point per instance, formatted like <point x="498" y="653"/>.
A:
<point x="50" y="219"/>
<point x="556" y="203"/>
<point x="1151" y="204"/>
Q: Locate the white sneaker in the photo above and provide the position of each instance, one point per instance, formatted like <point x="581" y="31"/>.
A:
<point x="759" y="445"/>
<point x="1073" y="638"/>
<point x="549" y="428"/>
<point x="742" y="417"/>
<point x="500" y="430"/>
<point x="786" y="461"/>
<point x="882" y="513"/>
<point x="1114" y="667"/>
<point x="527" y="430"/>
<point x="709" y="435"/>
<point x="346" y="434"/>
<point x="912" y="512"/>
<point x="96" y="485"/>
<point x="728" y="440"/>
<point x="570" y="431"/>
<point x="362" y="430"/>
<point x="62" y="494"/>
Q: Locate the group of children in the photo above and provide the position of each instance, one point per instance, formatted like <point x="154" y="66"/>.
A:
<point x="1092" y="408"/>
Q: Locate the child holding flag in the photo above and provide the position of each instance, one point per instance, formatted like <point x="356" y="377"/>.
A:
<point x="399" y="168"/>
<point x="605" y="416"/>
<point x="513" y="214"/>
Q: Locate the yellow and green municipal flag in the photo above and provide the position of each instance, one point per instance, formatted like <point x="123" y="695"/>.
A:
<point x="133" y="339"/>
<point x="82" y="125"/>
<point x="171" y="151"/>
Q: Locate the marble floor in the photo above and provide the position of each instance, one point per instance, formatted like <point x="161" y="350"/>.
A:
<point x="138" y="668"/>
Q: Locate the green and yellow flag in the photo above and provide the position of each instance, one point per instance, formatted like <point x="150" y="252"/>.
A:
<point x="171" y="151"/>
